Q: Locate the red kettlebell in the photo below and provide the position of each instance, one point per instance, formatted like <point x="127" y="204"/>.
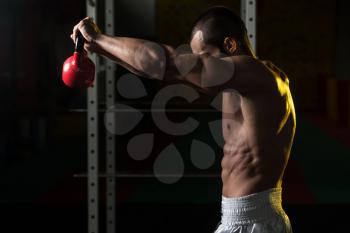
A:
<point x="78" y="70"/>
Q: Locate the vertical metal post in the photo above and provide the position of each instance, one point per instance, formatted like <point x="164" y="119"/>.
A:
<point x="92" y="140"/>
<point x="110" y="138"/>
<point x="248" y="14"/>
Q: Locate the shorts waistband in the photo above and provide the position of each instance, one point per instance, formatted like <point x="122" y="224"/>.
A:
<point x="252" y="208"/>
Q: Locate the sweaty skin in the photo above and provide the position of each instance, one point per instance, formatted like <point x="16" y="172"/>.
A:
<point x="258" y="115"/>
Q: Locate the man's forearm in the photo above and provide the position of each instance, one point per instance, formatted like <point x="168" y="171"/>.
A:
<point x="139" y="56"/>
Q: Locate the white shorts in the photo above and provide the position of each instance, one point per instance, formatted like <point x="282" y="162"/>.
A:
<point x="255" y="213"/>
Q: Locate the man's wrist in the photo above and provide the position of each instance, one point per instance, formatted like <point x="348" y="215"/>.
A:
<point x="97" y="38"/>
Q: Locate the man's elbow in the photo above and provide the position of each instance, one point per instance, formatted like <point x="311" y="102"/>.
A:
<point x="152" y="61"/>
<point x="154" y="69"/>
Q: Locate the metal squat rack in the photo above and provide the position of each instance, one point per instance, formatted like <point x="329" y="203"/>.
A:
<point x="248" y="14"/>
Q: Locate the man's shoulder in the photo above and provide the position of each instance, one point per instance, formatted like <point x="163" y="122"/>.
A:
<point x="275" y="70"/>
<point x="249" y="65"/>
<point x="255" y="75"/>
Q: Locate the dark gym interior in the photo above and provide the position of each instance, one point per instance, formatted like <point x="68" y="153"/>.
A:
<point x="43" y="142"/>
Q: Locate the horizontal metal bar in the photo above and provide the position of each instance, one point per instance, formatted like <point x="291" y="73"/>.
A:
<point x="151" y="175"/>
<point x="149" y="110"/>
<point x="156" y="104"/>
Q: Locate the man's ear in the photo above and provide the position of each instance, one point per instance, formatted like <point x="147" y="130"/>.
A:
<point x="230" y="45"/>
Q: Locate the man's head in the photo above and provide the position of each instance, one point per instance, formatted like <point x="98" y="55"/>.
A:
<point x="219" y="30"/>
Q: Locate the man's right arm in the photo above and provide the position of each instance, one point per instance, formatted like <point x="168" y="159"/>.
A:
<point x="157" y="61"/>
<point x="206" y="73"/>
<point x="152" y="60"/>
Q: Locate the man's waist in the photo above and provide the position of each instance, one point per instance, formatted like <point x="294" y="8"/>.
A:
<point x="251" y="208"/>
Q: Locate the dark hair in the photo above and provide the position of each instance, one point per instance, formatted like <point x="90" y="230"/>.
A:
<point x="219" y="22"/>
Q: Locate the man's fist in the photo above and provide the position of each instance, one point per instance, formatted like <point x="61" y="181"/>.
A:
<point x="88" y="29"/>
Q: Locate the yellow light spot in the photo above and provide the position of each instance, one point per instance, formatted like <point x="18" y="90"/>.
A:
<point x="283" y="88"/>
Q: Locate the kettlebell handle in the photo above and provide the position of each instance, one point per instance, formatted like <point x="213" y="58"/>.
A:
<point x="79" y="43"/>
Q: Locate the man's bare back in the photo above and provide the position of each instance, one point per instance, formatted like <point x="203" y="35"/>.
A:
<point x="258" y="130"/>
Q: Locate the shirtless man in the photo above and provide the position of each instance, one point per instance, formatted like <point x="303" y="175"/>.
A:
<point x="258" y="113"/>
